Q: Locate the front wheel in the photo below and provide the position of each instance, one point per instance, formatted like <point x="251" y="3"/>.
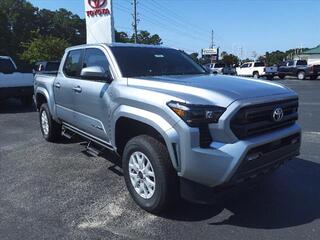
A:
<point x="270" y="78"/>
<point x="313" y="77"/>
<point x="149" y="175"/>
<point x="51" y="130"/>
<point x="281" y="76"/>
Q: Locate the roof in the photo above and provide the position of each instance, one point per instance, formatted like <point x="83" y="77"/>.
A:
<point x="315" y="50"/>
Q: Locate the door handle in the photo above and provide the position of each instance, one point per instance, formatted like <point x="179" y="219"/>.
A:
<point x="57" y="85"/>
<point x="77" y="89"/>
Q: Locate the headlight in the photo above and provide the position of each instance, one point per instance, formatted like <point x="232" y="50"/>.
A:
<point x="194" y="115"/>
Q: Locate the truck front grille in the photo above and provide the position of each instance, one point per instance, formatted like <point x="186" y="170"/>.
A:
<point x="258" y="119"/>
<point x="205" y="136"/>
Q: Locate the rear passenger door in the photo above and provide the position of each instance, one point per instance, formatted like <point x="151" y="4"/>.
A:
<point x="63" y="85"/>
<point x="92" y="98"/>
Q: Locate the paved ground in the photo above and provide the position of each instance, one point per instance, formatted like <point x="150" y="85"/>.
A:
<point x="55" y="191"/>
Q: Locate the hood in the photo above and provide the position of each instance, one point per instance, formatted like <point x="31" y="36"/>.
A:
<point x="209" y="89"/>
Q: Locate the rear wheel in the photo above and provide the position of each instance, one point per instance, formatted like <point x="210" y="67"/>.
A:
<point x="51" y="130"/>
<point x="256" y="75"/>
<point x="270" y="77"/>
<point x="149" y="175"/>
<point x="282" y="76"/>
<point x="301" y="75"/>
<point x="313" y="77"/>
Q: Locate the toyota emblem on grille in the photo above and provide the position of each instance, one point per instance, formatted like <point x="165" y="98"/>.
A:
<point x="277" y="114"/>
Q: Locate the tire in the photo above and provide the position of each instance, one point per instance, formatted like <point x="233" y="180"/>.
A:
<point x="27" y="101"/>
<point x="52" y="131"/>
<point x="313" y="77"/>
<point x="165" y="181"/>
<point x="270" y="78"/>
<point x="282" y="76"/>
<point x="301" y="75"/>
<point x="255" y="75"/>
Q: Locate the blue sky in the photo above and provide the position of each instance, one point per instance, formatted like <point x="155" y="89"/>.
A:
<point x="253" y="25"/>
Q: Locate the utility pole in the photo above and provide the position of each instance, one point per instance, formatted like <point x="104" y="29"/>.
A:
<point x="135" y="21"/>
<point x="212" y="39"/>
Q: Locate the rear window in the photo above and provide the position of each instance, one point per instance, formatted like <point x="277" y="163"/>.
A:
<point x="6" y="66"/>
<point x="302" y="62"/>
<point x="259" y="64"/>
<point x="219" y="65"/>
<point x="52" y="66"/>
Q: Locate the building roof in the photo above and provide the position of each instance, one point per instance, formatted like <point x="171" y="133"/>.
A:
<point x="315" y="50"/>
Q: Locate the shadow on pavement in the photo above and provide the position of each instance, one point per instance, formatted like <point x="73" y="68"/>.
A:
<point x="289" y="197"/>
<point x="15" y="106"/>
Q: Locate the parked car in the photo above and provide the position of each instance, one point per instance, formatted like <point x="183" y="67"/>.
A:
<point x="251" y="69"/>
<point x="14" y="84"/>
<point x="229" y="70"/>
<point x="46" y="67"/>
<point x="178" y="129"/>
<point x="216" y="68"/>
<point x="299" y="69"/>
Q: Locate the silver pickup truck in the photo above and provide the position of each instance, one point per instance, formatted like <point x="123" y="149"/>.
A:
<point x="180" y="131"/>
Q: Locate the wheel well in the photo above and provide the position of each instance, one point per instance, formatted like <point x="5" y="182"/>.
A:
<point x="40" y="99"/>
<point x="127" y="128"/>
<point x="255" y="72"/>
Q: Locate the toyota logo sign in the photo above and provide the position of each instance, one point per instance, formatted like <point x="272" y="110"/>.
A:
<point x="96" y="3"/>
<point x="277" y="114"/>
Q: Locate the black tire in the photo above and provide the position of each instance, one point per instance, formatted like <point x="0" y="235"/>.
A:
<point x="255" y="75"/>
<point x="27" y="101"/>
<point x="313" y="77"/>
<point x="270" y="78"/>
<point x="282" y="76"/>
<point x="166" y="191"/>
<point x="301" y="75"/>
<point x="54" y="128"/>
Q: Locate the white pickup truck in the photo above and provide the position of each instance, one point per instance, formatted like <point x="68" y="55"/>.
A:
<point x="14" y="84"/>
<point x="256" y="70"/>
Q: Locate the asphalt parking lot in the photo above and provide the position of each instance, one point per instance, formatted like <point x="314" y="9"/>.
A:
<point x="57" y="191"/>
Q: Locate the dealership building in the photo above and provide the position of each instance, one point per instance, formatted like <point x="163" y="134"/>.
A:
<point x="312" y="55"/>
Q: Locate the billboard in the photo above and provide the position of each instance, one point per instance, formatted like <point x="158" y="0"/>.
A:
<point x="99" y="21"/>
<point x="209" y="51"/>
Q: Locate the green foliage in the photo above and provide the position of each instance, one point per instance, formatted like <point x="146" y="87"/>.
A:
<point x="44" y="48"/>
<point x="195" y="57"/>
<point x="229" y="59"/>
<point x="143" y="37"/>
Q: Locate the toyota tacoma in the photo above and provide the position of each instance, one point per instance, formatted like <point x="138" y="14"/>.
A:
<point x="179" y="130"/>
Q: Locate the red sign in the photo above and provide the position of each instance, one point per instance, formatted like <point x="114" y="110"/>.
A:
<point x="97" y="6"/>
<point x="96" y="3"/>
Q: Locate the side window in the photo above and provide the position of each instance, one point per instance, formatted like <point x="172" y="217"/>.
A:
<point x="290" y="63"/>
<point x="259" y="64"/>
<point x="95" y="58"/>
<point x="302" y="62"/>
<point x="245" y="65"/>
<point x="72" y="66"/>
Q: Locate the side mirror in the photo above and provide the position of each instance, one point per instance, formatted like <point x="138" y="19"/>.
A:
<point x="96" y="73"/>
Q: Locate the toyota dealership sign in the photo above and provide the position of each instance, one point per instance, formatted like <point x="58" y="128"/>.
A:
<point x="99" y="20"/>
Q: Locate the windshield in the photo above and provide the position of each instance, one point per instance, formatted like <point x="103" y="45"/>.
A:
<point x="144" y="61"/>
<point x="52" y="66"/>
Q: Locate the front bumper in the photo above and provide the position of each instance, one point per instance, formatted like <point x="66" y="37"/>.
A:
<point x="219" y="164"/>
<point x="255" y="162"/>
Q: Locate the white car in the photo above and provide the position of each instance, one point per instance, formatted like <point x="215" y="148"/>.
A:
<point x="14" y="84"/>
<point x="251" y="69"/>
<point x="216" y="67"/>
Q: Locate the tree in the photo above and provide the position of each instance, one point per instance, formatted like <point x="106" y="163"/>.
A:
<point x="229" y="59"/>
<point x="195" y="56"/>
<point x="44" y="48"/>
<point x="121" y="37"/>
<point x="144" y="37"/>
